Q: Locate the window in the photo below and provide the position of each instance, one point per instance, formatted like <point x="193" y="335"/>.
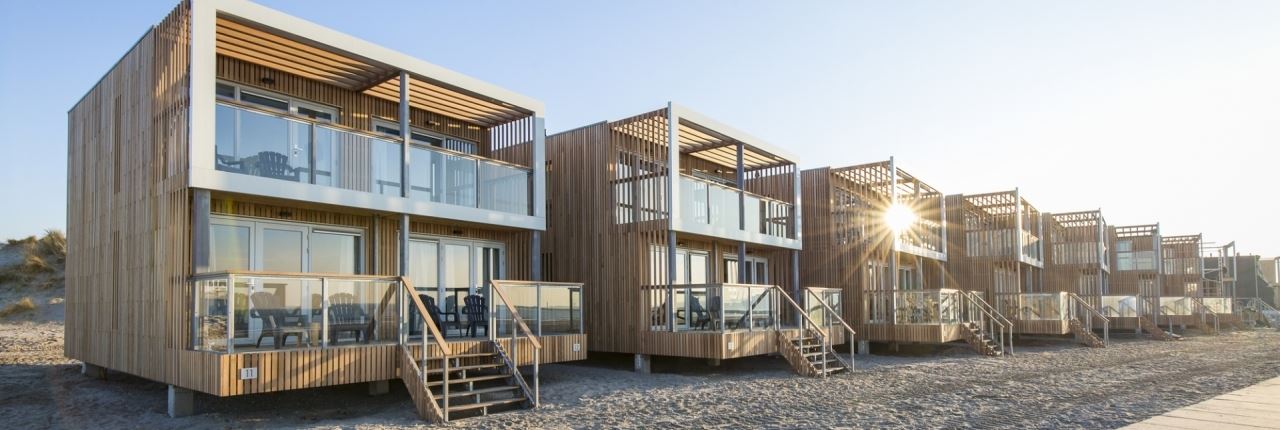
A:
<point x="691" y="266"/>
<point x="425" y="138"/>
<point x="276" y="102"/>
<point x="275" y="246"/>
<point x="756" y="271"/>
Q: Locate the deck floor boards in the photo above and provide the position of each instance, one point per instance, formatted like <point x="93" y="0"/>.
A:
<point x="1255" y="407"/>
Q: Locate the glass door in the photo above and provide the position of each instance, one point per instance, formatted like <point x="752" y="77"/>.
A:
<point x="756" y="270"/>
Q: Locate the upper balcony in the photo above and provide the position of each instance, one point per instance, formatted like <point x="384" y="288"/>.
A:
<point x="705" y="178"/>
<point x="877" y="201"/>
<point x="1003" y="225"/>
<point x="284" y="108"/>
<point x="1079" y="239"/>
<point x="1136" y="247"/>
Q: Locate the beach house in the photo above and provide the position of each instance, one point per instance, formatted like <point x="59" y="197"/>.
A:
<point x="257" y="203"/>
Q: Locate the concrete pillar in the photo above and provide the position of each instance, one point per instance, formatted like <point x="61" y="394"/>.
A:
<point x="378" y="388"/>
<point x="642" y="363"/>
<point x="92" y="371"/>
<point x="864" y="347"/>
<point x="181" y="402"/>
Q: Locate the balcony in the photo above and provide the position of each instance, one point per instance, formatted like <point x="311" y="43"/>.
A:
<point x="1034" y="306"/>
<point x="923" y="238"/>
<point x="711" y="307"/>
<point x="271" y="145"/>
<point x="914" y="307"/>
<point x="235" y="312"/>
<point x="712" y="209"/>
<point x="1119" y="306"/>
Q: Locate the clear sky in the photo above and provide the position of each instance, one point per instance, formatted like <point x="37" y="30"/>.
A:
<point x="1155" y="111"/>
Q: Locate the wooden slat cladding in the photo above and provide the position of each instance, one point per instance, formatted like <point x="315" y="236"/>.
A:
<point x="606" y="189"/>
<point x="1180" y="261"/>
<point x="127" y="214"/>
<point x="1073" y="259"/>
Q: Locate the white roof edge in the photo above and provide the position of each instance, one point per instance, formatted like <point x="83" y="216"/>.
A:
<point x="727" y="130"/>
<point x="309" y="30"/>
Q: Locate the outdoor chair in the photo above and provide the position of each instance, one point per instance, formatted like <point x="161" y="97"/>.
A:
<point x="477" y="314"/>
<point x="275" y="320"/>
<point x="698" y="316"/>
<point x="346" y="315"/>
<point x="275" y="165"/>
<point x="433" y="311"/>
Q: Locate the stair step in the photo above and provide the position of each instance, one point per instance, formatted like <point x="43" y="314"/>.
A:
<point x="814" y="354"/>
<point x="468" y="379"/>
<point x="472" y="367"/>
<point x="470" y="406"/>
<point x="472" y="355"/>
<point x="479" y="391"/>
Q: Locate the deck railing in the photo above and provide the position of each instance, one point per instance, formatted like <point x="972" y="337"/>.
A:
<point x="706" y="202"/>
<point x="711" y="307"/>
<point x="1081" y="310"/>
<point x="976" y="310"/>
<point x="1034" y="306"/>
<point x="429" y="327"/>
<point x="823" y="306"/>
<point x="1119" y="306"/>
<point x="1206" y="313"/>
<point x="275" y="145"/>
<point x="518" y="330"/>
<point x="1257" y="307"/>
<point x="906" y="307"/>
<point x="236" y="312"/>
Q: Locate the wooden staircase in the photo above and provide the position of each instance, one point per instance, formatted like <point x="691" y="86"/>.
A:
<point x="808" y="355"/>
<point x="1085" y="336"/>
<point x="445" y="384"/>
<point x="1155" y="331"/>
<point x="981" y="341"/>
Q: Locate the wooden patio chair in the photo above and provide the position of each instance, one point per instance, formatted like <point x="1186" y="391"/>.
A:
<point x="346" y="315"/>
<point x="275" y="165"/>
<point x="275" y="320"/>
<point x="698" y="317"/>
<point x="433" y="311"/>
<point x="477" y="314"/>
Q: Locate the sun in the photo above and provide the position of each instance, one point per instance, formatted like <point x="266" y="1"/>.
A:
<point x="899" y="217"/>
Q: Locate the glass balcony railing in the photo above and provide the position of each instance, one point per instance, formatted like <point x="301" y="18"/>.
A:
<point x="1219" y="305"/>
<point x="913" y="306"/>
<point x="548" y="308"/>
<point x="818" y="313"/>
<point x="273" y="145"/>
<point x="1033" y="306"/>
<point x="712" y="307"/>
<point x="1176" y="306"/>
<point x="247" y="312"/>
<point x="707" y="203"/>
<point x="1119" y="306"/>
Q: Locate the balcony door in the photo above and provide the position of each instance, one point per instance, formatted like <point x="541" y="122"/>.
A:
<point x="756" y="270"/>
<point x="448" y="270"/>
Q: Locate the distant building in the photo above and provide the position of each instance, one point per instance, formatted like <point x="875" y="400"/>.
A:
<point x="1256" y="277"/>
<point x="1271" y="273"/>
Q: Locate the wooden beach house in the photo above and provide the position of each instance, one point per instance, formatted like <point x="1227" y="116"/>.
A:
<point x="1077" y="269"/>
<point x="257" y="203"/>
<point x="688" y="232"/>
<point x="878" y="234"/>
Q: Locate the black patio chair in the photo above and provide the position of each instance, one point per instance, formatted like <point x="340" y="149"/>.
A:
<point x="477" y="314"/>
<point x="275" y="320"/>
<point x="346" y="315"/>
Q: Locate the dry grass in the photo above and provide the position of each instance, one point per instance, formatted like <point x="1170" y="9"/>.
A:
<point x="43" y="260"/>
<point x="20" y="306"/>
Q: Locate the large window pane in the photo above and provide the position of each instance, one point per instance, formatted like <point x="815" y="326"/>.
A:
<point x="334" y="253"/>
<point x="504" y="188"/>
<point x="281" y="250"/>
<point x="230" y="246"/>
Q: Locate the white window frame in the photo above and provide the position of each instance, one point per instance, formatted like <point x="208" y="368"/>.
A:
<point x="293" y="102"/>
<point x="255" y="246"/>
<point x="384" y="122"/>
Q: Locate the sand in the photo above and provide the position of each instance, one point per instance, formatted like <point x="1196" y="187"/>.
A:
<point x="1053" y="385"/>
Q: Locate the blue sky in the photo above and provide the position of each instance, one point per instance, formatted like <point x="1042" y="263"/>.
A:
<point x="1163" y="111"/>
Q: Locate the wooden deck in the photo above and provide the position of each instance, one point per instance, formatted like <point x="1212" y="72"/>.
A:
<point x="1256" y="407"/>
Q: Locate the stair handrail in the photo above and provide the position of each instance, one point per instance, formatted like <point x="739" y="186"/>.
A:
<point x="1155" y="310"/>
<point x="533" y="395"/>
<point x="1205" y="310"/>
<point x="992" y="318"/>
<point x="1080" y="303"/>
<point x="824" y="340"/>
<point x="437" y="338"/>
<point x="842" y="322"/>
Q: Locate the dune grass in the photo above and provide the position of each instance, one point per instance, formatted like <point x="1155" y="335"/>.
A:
<point x="43" y="260"/>
<point x="18" y="307"/>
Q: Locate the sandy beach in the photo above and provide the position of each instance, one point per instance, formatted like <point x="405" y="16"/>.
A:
<point x="1044" y="385"/>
